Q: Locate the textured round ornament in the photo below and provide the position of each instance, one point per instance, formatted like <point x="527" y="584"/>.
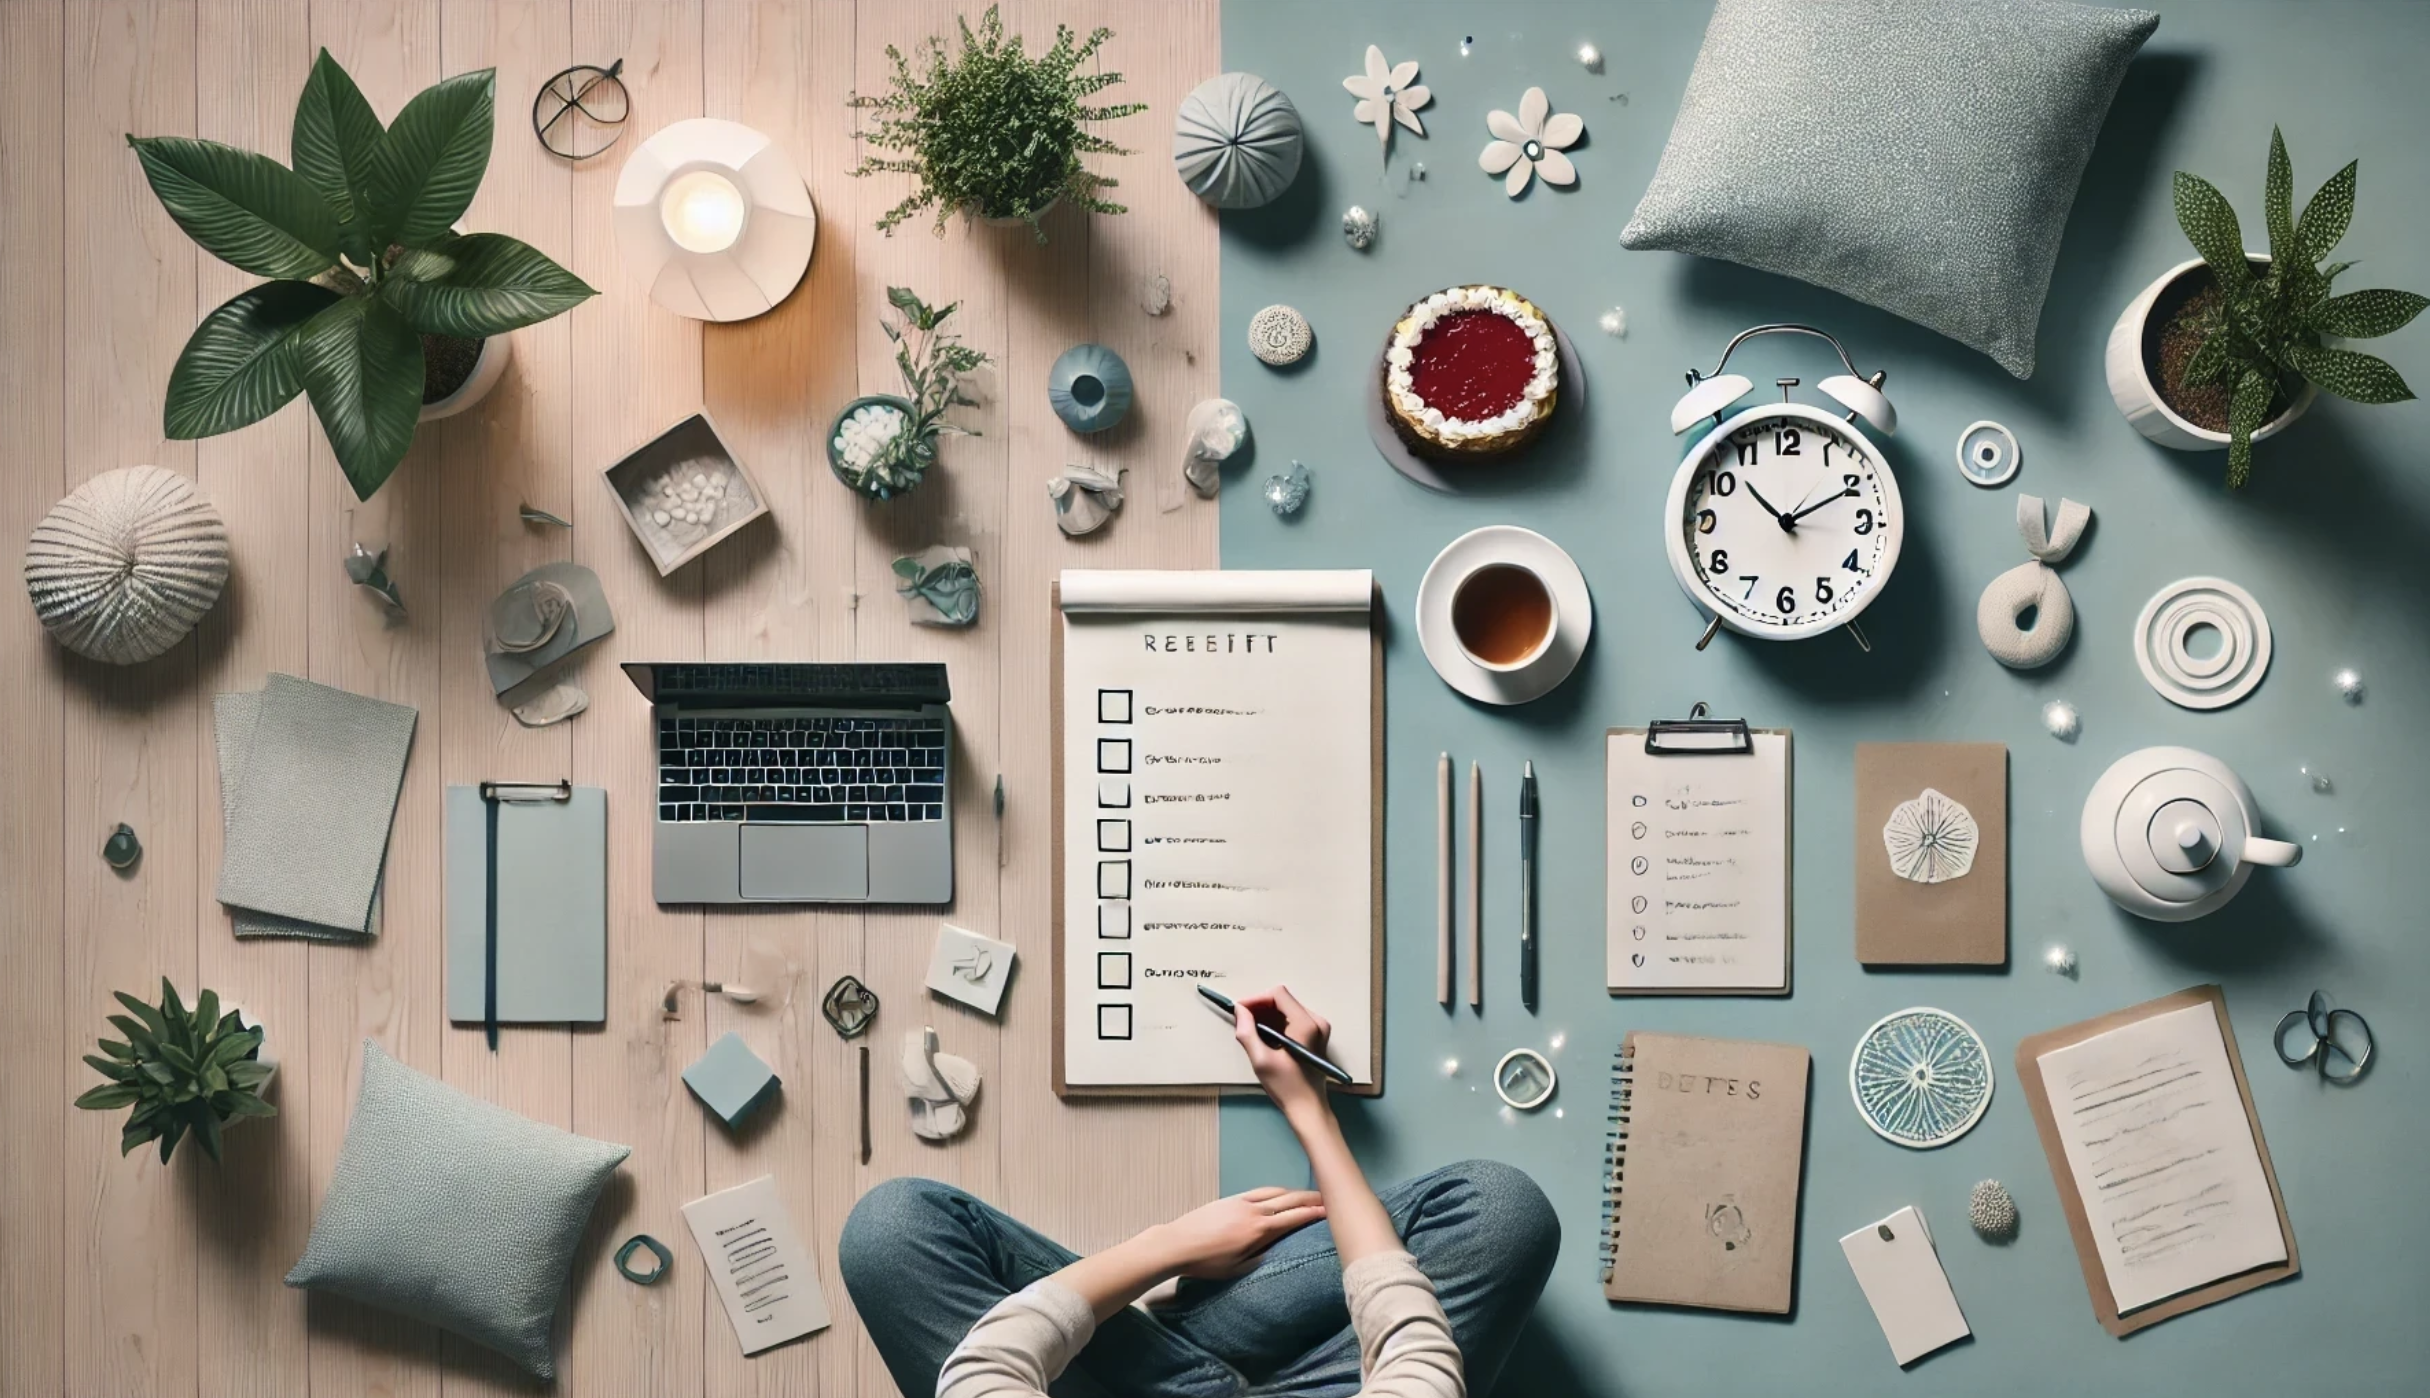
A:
<point x="1237" y="141"/>
<point x="122" y="569"/>
<point x="1920" y="1077"/>
<point x="1280" y="335"/>
<point x="1992" y="1210"/>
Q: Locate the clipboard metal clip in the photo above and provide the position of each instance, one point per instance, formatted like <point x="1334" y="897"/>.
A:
<point x="528" y="793"/>
<point x="1698" y="736"/>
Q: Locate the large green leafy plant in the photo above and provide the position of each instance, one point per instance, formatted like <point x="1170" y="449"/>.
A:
<point x="181" y="1070"/>
<point x="2262" y="337"/>
<point x="359" y="235"/>
<point x="995" y="131"/>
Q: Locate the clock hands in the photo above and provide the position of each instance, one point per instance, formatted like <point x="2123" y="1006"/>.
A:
<point x="1790" y="521"/>
<point x="1786" y="521"/>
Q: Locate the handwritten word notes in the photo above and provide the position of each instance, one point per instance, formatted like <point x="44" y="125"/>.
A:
<point x="1696" y="872"/>
<point x="1218" y="816"/>
<point x="2162" y="1153"/>
<point x="762" y="1273"/>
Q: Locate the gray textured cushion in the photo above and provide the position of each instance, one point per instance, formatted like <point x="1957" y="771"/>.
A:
<point x="453" y="1211"/>
<point x="1918" y="155"/>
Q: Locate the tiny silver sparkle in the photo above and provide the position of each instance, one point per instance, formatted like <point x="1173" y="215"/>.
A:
<point x="1590" y="58"/>
<point x="2349" y="684"/>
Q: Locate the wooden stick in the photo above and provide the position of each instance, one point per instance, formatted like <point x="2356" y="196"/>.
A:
<point x="1442" y="880"/>
<point x="1476" y="886"/>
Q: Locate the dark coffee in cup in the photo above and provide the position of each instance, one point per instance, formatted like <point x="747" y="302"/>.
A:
<point x="1503" y="616"/>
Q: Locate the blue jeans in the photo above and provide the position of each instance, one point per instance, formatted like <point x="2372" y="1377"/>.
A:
<point x="924" y="1261"/>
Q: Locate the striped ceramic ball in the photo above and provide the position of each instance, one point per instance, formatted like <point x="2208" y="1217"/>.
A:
<point x="122" y="569"/>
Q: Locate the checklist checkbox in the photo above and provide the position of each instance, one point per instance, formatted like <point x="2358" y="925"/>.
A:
<point x="1113" y="878"/>
<point x="1113" y="706"/>
<point x="1113" y="755"/>
<point x="1114" y="1021"/>
<point x="1113" y="793"/>
<point x="1113" y="970"/>
<point x="1114" y="836"/>
<point x="1114" y="922"/>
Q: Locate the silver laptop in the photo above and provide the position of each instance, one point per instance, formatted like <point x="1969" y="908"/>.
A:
<point x="801" y="783"/>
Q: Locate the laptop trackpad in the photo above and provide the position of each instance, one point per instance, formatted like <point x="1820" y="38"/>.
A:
<point x="810" y="863"/>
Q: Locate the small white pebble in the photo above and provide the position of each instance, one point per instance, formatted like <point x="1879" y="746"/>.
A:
<point x="1614" y="322"/>
<point x="1590" y="58"/>
<point x="699" y="479"/>
<point x="660" y="516"/>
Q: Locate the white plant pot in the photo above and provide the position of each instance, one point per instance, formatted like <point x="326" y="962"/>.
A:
<point x="496" y="352"/>
<point x="2131" y="386"/>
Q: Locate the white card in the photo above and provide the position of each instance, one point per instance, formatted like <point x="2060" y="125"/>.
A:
<point x="1900" y="1272"/>
<point x="758" y="1264"/>
<point x="970" y="968"/>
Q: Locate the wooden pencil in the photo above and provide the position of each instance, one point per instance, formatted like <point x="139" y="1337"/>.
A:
<point x="1442" y="880"/>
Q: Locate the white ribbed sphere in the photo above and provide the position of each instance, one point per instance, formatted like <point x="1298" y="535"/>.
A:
<point x="122" y="569"/>
<point x="1236" y="141"/>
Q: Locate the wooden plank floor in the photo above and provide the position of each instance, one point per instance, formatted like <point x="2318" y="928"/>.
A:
<point x="125" y="1278"/>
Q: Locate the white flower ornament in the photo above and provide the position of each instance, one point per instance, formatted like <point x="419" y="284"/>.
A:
<point x="1531" y="143"/>
<point x="1387" y="94"/>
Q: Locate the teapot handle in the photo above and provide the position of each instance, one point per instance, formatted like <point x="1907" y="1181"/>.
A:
<point x="2278" y="853"/>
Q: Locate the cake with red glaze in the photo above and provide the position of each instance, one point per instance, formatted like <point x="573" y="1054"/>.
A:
<point x="1471" y="373"/>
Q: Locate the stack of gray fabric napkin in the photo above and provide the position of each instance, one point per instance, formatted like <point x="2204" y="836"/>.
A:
<point x="308" y="783"/>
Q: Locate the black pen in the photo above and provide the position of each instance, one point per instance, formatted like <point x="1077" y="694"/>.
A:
<point x="1527" y="887"/>
<point x="1279" y="1039"/>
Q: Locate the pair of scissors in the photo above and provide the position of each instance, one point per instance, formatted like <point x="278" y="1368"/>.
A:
<point x="2337" y="1042"/>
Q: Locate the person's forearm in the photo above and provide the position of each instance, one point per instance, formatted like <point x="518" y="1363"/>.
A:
<point x="1360" y="1226"/>
<point x="1121" y="1274"/>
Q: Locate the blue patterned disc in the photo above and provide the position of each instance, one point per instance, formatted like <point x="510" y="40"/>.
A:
<point x="1920" y="1077"/>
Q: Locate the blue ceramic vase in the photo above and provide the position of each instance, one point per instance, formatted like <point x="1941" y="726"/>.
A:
<point x="1089" y="388"/>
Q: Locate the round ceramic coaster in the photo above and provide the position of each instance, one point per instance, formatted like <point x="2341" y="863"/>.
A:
<point x="1573" y="614"/>
<point x="1920" y="1077"/>
<point x="1449" y="478"/>
<point x="1988" y="454"/>
<point x="1280" y="335"/>
<point x="2168" y="623"/>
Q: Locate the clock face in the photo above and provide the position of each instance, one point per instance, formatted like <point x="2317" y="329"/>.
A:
<point x="1787" y="520"/>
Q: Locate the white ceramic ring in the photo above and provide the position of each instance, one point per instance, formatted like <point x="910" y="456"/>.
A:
<point x="1988" y="454"/>
<point x="1541" y="1064"/>
<point x="2202" y="682"/>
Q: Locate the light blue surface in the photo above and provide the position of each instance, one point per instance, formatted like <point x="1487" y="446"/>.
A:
<point x="2330" y="539"/>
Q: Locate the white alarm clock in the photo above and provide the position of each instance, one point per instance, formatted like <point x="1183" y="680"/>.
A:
<point x="1784" y="520"/>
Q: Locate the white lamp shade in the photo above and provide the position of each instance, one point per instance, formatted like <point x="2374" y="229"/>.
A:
<point x="764" y="261"/>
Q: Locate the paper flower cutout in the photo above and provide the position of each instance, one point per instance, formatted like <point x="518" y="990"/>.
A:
<point x="1387" y="94"/>
<point x="1931" y="839"/>
<point x="1531" y="143"/>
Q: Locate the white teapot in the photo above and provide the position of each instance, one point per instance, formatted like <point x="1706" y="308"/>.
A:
<point x="2169" y="834"/>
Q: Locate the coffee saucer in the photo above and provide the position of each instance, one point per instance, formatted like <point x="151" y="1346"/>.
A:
<point x="1573" y="612"/>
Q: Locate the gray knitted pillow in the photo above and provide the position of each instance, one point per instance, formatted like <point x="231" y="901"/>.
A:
<point x="456" y="1212"/>
<point x="1917" y="155"/>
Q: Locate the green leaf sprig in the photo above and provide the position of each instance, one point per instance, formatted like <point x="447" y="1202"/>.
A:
<point x="180" y="1070"/>
<point x="933" y="361"/>
<point x="2264" y="338"/>
<point x="994" y="130"/>
<point x="359" y="236"/>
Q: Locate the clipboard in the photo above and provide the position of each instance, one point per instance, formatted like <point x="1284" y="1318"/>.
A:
<point x="2096" y="1278"/>
<point x="1375" y="890"/>
<point x="1696" y="738"/>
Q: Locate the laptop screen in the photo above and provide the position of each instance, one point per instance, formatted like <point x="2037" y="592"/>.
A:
<point x="893" y="685"/>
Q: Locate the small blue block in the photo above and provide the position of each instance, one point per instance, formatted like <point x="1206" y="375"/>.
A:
<point x="730" y="1080"/>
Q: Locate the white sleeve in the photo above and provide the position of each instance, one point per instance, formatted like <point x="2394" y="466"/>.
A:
<point x="1021" y="1345"/>
<point x="1404" y="1341"/>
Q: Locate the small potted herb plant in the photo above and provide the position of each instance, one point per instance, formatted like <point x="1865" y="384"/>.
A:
<point x="179" y="1070"/>
<point x="994" y="132"/>
<point x="882" y="445"/>
<point x="381" y="310"/>
<point x="2228" y="348"/>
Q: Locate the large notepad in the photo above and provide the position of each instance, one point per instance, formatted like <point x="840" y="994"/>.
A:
<point x="1696" y="867"/>
<point x="1217" y="775"/>
<point x="1707" y="1155"/>
<point x="552" y="908"/>
<point x="2159" y="1161"/>
<point x="309" y="780"/>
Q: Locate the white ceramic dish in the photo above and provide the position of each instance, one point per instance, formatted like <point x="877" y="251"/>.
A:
<point x="1573" y="613"/>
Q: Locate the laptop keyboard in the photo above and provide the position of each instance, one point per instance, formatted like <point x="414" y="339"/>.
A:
<point x="803" y="768"/>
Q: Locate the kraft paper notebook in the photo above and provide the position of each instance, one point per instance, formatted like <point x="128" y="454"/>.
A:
<point x="1932" y="854"/>
<point x="552" y="908"/>
<point x="1707" y="1155"/>
<point x="2148" y="1122"/>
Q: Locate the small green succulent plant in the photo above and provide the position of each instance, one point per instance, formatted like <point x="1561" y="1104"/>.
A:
<point x="180" y="1070"/>
<point x="2263" y="336"/>
<point x="995" y="131"/>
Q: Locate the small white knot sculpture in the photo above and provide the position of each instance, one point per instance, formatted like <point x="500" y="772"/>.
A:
<point x="122" y="568"/>
<point x="943" y="1087"/>
<point x="2033" y="587"/>
<point x="1992" y="1210"/>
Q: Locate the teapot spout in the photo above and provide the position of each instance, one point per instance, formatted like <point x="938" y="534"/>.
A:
<point x="2273" y="852"/>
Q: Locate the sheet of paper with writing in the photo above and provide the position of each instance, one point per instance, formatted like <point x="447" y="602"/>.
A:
<point x="1696" y="872"/>
<point x="2162" y="1154"/>
<point x="762" y="1272"/>
<point x="1218" y="803"/>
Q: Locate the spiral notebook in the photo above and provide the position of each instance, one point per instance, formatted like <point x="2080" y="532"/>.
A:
<point x="1707" y="1148"/>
